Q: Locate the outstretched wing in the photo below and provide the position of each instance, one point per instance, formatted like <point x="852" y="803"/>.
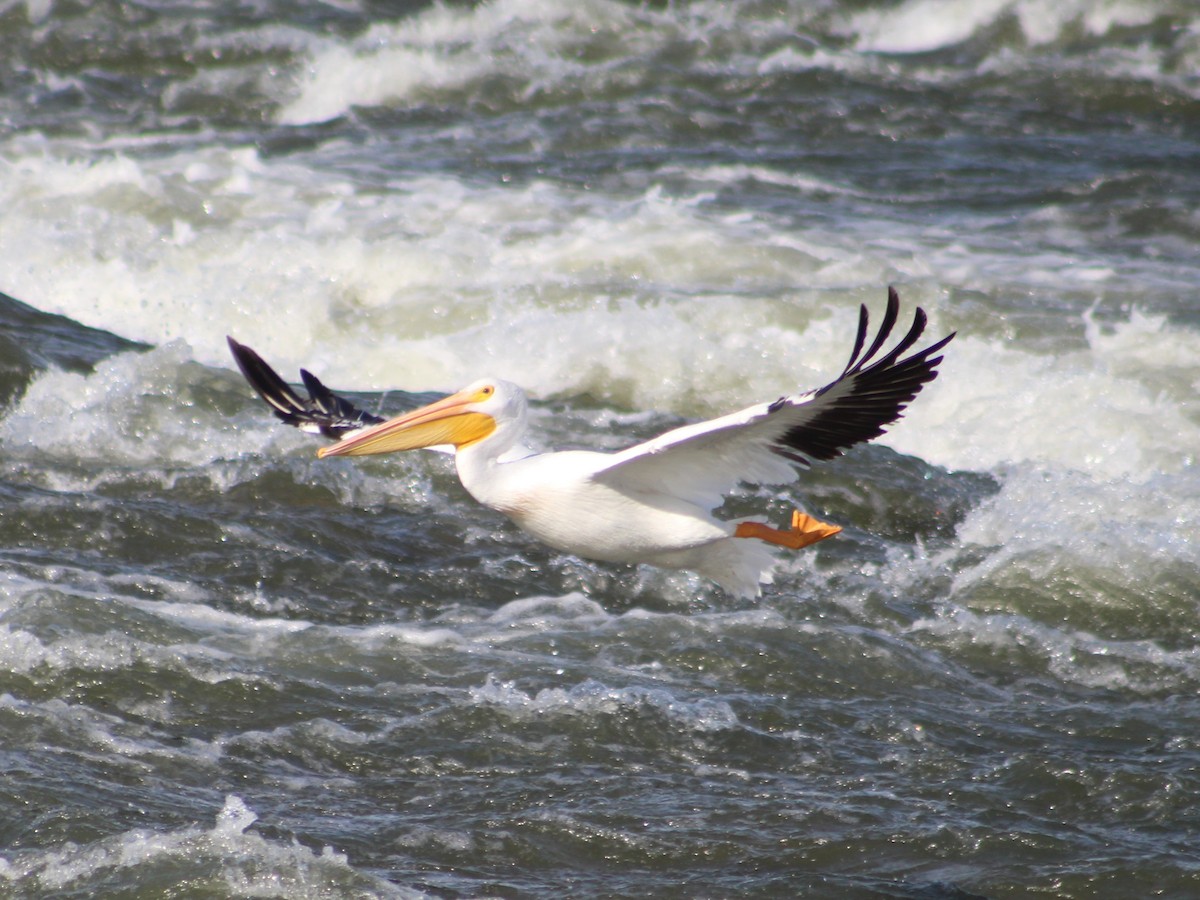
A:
<point x="763" y="443"/>
<point x="324" y="412"/>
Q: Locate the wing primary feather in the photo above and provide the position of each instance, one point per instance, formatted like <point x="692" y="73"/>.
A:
<point x="324" y="412"/>
<point x="917" y="329"/>
<point x="891" y="313"/>
<point x="860" y="338"/>
<point x="869" y="395"/>
<point x="265" y="380"/>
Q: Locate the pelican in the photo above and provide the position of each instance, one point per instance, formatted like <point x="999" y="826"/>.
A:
<point x="651" y="503"/>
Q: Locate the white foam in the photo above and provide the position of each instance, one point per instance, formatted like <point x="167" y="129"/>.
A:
<point x="248" y="864"/>
<point x="520" y="49"/>
<point x="149" y="416"/>
<point x="189" y="637"/>
<point x="23" y="651"/>
<point x="376" y="637"/>
<point x="376" y="70"/>
<point x="534" y="43"/>
<point x="1117" y="549"/>
<point x="591" y="698"/>
<point x="311" y="732"/>
<point x="539" y="611"/>
<point x="1121" y="408"/>
<point x="132" y="408"/>
<point x="203" y="618"/>
<point x="918" y="26"/>
<point x="425" y="287"/>
<point x="1071" y="567"/>
<point x="1103" y="522"/>
<point x="134" y="747"/>
<point x="731" y="175"/>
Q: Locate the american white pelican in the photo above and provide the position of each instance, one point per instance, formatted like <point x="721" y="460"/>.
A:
<point x="653" y="502"/>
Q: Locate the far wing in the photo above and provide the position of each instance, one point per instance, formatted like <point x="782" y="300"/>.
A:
<point x="762" y="443"/>
<point x="324" y="412"/>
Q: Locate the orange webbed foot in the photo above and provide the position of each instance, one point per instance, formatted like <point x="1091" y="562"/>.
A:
<point x="805" y="530"/>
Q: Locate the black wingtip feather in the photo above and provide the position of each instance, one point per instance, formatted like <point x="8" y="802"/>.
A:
<point x="864" y="318"/>
<point x="870" y="394"/>
<point x="265" y="380"/>
<point x="323" y="411"/>
<point x="890" y="315"/>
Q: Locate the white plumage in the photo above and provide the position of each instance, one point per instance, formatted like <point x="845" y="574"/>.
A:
<point x="653" y="502"/>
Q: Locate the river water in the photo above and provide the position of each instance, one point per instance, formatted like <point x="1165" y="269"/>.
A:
<point x="230" y="669"/>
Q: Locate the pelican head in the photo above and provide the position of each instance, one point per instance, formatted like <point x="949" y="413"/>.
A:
<point x="488" y="410"/>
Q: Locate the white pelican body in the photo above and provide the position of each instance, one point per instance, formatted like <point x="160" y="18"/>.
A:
<point x="651" y="503"/>
<point x="565" y="500"/>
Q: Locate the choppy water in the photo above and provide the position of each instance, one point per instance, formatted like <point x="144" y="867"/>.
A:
<point x="229" y="669"/>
